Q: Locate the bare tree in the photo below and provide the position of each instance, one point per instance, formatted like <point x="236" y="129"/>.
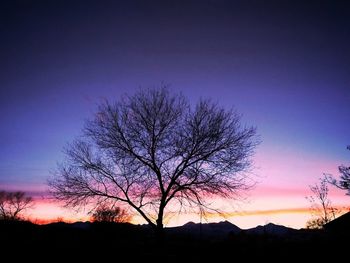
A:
<point x="321" y="205"/>
<point x="104" y="213"/>
<point x="153" y="148"/>
<point x="344" y="181"/>
<point x="12" y="204"/>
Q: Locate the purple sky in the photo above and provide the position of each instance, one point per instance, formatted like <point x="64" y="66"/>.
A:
<point x="285" y="65"/>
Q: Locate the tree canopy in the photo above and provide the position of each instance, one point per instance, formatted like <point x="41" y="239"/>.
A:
<point x="154" y="148"/>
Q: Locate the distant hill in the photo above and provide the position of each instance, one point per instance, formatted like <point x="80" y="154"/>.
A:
<point x="339" y="225"/>
<point x="208" y="230"/>
<point x="191" y="242"/>
<point x="78" y="224"/>
<point x="271" y="229"/>
<point x="225" y="228"/>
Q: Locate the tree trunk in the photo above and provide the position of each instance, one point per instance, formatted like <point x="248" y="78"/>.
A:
<point x="159" y="226"/>
<point x="160" y="231"/>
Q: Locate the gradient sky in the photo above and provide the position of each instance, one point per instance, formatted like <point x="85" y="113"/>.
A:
<point x="285" y="65"/>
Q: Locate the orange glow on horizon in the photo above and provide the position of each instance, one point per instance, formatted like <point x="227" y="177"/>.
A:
<point x="208" y="215"/>
<point x="263" y="212"/>
<point x="49" y="212"/>
<point x="281" y="206"/>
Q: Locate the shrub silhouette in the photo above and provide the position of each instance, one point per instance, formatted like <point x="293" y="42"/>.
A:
<point x="110" y="214"/>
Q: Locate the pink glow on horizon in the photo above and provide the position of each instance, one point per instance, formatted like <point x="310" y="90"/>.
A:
<point x="260" y="212"/>
<point x="283" y="175"/>
<point x="285" y="172"/>
<point x="47" y="210"/>
<point x="292" y="168"/>
<point x="32" y="189"/>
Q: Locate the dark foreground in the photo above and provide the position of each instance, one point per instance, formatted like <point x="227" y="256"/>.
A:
<point x="121" y="242"/>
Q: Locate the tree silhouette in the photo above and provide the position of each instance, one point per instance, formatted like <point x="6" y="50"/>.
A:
<point x="103" y="213"/>
<point x="152" y="149"/>
<point x="344" y="181"/>
<point x="12" y="204"/>
<point x="321" y="205"/>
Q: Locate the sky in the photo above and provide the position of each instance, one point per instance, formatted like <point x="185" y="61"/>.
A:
<point x="284" y="65"/>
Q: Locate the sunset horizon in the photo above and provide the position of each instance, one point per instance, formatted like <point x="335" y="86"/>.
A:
<point x="183" y="102"/>
<point x="246" y="213"/>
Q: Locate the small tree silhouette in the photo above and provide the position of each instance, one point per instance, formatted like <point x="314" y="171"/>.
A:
<point x="321" y="205"/>
<point x="12" y="204"/>
<point x="110" y="214"/>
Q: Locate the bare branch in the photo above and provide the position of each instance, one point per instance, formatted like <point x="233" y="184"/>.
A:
<point x="151" y="148"/>
<point x="12" y="204"/>
<point x="344" y="181"/>
<point x="321" y="206"/>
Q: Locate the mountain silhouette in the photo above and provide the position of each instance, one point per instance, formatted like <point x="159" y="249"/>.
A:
<point x="192" y="241"/>
<point x="271" y="229"/>
<point x="220" y="229"/>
